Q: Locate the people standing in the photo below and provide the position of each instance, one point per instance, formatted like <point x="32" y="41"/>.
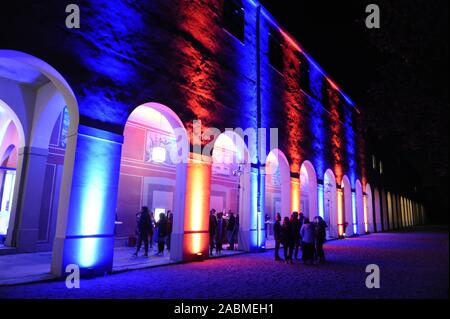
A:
<point x="144" y="228"/>
<point x="308" y="240"/>
<point x="169" y="229"/>
<point x="320" y="236"/>
<point x="212" y="229"/>
<point x="219" y="233"/>
<point x="230" y="231"/>
<point x="161" y="226"/>
<point x="287" y="240"/>
<point x="152" y="228"/>
<point x="277" y="235"/>
<point x="295" y="233"/>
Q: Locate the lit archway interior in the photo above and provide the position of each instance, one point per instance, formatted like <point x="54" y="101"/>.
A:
<point x="377" y="207"/>
<point x="278" y="192"/>
<point x="308" y="190"/>
<point x="152" y="173"/>
<point x="42" y="126"/>
<point x="230" y="182"/>
<point x="369" y="227"/>
<point x="330" y="213"/>
<point x="347" y="206"/>
<point x="360" y="211"/>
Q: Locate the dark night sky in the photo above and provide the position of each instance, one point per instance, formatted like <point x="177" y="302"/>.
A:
<point x="397" y="75"/>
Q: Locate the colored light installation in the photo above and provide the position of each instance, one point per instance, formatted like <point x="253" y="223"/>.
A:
<point x="340" y="203"/>
<point x="197" y="206"/>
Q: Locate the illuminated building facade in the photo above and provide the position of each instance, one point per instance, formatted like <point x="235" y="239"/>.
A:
<point x="86" y="135"/>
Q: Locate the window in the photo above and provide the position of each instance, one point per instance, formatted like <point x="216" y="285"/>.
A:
<point x="233" y="18"/>
<point x="381" y="167"/>
<point x="275" y="51"/>
<point x="305" y="83"/>
<point x="374" y="162"/>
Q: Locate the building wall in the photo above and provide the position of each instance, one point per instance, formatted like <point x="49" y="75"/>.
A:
<point x="176" y="52"/>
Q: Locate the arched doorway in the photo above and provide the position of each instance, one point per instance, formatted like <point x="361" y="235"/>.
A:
<point x="347" y="206"/>
<point x="9" y="142"/>
<point x="389" y="210"/>
<point x="370" y="227"/>
<point x="152" y="174"/>
<point x="360" y="217"/>
<point x="278" y="192"/>
<point x="231" y="189"/>
<point x="330" y="213"/>
<point x="45" y="112"/>
<point x="308" y="190"/>
<point x="377" y="206"/>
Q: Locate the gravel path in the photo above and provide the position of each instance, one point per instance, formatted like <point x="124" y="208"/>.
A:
<point x="412" y="265"/>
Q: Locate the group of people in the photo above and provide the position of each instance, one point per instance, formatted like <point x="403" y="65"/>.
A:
<point x="222" y="227"/>
<point x="148" y="229"/>
<point x="299" y="232"/>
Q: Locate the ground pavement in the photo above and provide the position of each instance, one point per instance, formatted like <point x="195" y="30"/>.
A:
<point x="412" y="265"/>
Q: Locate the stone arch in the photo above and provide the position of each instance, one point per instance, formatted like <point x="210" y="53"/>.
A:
<point x="308" y="174"/>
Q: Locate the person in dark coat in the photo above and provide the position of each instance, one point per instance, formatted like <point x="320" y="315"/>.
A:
<point x="230" y="231"/>
<point x="295" y="233"/>
<point x="287" y="240"/>
<point x="320" y="230"/>
<point x="161" y="225"/>
<point x="144" y="228"/>
<point x="169" y="229"/>
<point x="277" y="235"/>
<point x="212" y="229"/>
<point x="219" y="232"/>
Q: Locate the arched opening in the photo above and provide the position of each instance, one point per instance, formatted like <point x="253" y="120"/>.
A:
<point x="42" y="107"/>
<point x="155" y="151"/>
<point x="330" y="213"/>
<point x="347" y="206"/>
<point x="369" y="225"/>
<point x="278" y="189"/>
<point x="230" y="193"/>
<point x="8" y="165"/>
<point x="360" y="216"/>
<point x="389" y="210"/>
<point x="377" y="206"/>
<point x="308" y="190"/>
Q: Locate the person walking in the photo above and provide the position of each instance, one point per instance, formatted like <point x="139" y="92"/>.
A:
<point x="308" y="239"/>
<point x="144" y="228"/>
<point x="212" y="230"/>
<point x="277" y="235"/>
<point x="219" y="233"/>
<point x="230" y="231"/>
<point x="161" y="226"/>
<point x="287" y="240"/>
<point x="320" y="236"/>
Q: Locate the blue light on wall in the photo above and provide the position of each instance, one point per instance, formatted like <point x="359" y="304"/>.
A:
<point x="320" y="199"/>
<point x="355" y="224"/>
<point x="255" y="219"/>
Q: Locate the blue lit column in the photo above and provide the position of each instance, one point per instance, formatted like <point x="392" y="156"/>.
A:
<point x="261" y="208"/>
<point x="85" y="230"/>
<point x="249" y="217"/>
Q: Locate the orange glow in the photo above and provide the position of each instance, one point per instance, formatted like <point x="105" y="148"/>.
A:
<point x="366" y="225"/>
<point x="197" y="204"/>
<point x="340" y="204"/>
<point x="295" y="195"/>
